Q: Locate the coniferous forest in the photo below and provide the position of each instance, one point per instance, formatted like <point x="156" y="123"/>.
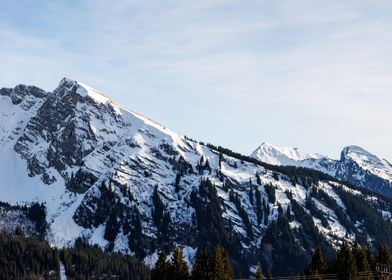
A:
<point x="350" y="262"/>
<point x="23" y="257"/>
<point x="27" y="258"/>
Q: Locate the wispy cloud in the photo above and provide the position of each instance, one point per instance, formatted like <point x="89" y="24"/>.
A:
<point x="314" y="74"/>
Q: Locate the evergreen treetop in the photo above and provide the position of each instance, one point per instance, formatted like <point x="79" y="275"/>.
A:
<point x="178" y="268"/>
<point x="161" y="268"/>
<point x="221" y="268"/>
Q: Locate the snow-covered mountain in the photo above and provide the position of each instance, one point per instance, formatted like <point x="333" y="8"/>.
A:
<point x="131" y="185"/>
<point x="281" y="155"/>
<point x="356" y="165"/>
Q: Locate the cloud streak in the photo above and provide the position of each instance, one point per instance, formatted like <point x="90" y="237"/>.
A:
<point x="313" y="74"/>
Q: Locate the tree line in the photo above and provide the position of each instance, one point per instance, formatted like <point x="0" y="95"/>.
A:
<point x="85" y="261"/>
<point x="351" y="262"/>
<point x="27" y="258"/>
<point x="23" y="257"/>
<point x="215" y="266"/>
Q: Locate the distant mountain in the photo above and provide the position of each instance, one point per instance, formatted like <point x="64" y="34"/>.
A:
<point x="281" y="155"/>
<point x="356" y="165"/>
<point x="131" y="185"/>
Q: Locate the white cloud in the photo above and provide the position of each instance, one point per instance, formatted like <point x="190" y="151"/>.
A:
<point x="314" y="74"/>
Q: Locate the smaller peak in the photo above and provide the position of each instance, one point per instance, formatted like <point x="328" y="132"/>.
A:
<point x="281" y="155"/>
<point x="66" y="82"/>
<point x="266" y="144"/>
<point x="354" y="149"/>
<point x="65" y="79"/>
<point x="358" y="154"/>
<point x="20" y="91"/>
<point x="269" y="146"/>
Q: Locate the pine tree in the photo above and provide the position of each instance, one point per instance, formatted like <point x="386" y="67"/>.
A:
<point x="258" y="180"/>
<point x="220" y="265"/>
<point x="370" y="257"/>
<point x="259" y="273"/>
<point x="345" y="265"/>
<point x="207" y="166"/>
<point x="201" y="268"/>
<point x="177" y="183"/>
<point x="220" y="160"/>
<point x="37" y="214"/>
<point x="161" y="268"/>
<point x="160" y="217"/>
<point x="178" y="267"/>
<point x="259" y="210"/>
<point x="251" y="195"/>
<point x="318" y="264"/>
<point x="383" y="256"/>
<point x="266" y="212"/>
<point x="112" y="227"/>
<point x="361" y="258"/>
<point x="269" y="275"/>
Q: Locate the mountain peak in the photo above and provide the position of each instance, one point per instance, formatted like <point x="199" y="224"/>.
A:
<point x="354" y="149"/>
<point x="368" y="161"/>
<point x="82" y="90"/>
<point x="359" y="154"/>
<point x="271" y="154"/>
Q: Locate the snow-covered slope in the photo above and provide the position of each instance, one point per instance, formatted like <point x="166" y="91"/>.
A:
<point x="355" y="165"/>
<point x="368" y="162"/>
<point x="131" y="185"/>
<point x="281" y="155"/>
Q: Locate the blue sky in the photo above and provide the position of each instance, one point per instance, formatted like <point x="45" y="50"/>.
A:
<point x="312" y="74"/>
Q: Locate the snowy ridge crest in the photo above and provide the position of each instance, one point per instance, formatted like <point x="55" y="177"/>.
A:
<point x="281" y="155"/>
<point x="356" y="165"/>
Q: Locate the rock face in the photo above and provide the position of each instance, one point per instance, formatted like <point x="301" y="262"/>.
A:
<point x="356" y="165"/>
<point x="131" y="185"/>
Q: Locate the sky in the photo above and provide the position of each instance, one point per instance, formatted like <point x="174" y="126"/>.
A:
<point x="314" y="74"/>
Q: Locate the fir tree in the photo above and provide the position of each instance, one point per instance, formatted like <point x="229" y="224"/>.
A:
<point x="251" y="195"/>
<point x="177" y="183"/>
<point x="160" y="217"/>
<point x="259" y="273"/>
<point x="220" y="160"/>
<point x="383" y="256"/>
<point x="266" y="212"/>
<point x="201" y="268"/>
<point x="161" y="268"/>
<point x="271" y="193"/>
<point x="361" y="258"/>
<point x="318" y="264"/>
<point x="369" y="257"/>
<point x="112" y="227"/>
<point x="37" y="214"/>
<point x="345" y="265"/>
<point x="178" y="267"/>
<point x="207" y="166"/>
<point x="258" y="180"/>
<point x="220" y="265"/>
<point x="259" y="210"/>
<point x="269" y="275"/>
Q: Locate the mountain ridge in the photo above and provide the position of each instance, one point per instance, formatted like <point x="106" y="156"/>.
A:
<point x="356" y="165"/>
<point x="133" y="186"/>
